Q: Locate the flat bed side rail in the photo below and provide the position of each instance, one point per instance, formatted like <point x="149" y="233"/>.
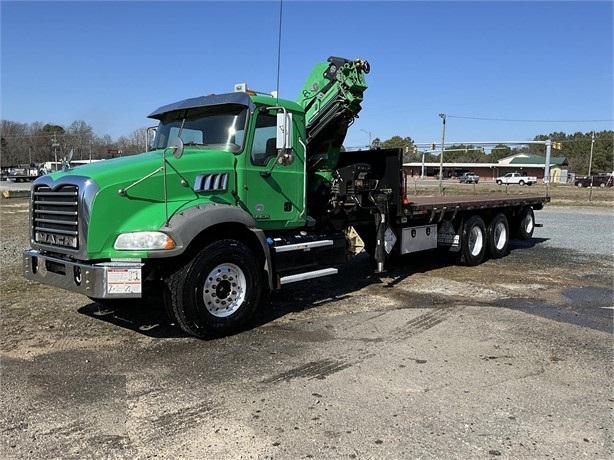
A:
<point x="430" y="205"/>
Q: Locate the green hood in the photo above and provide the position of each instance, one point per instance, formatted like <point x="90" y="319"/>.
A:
<point x="131" y="193"/>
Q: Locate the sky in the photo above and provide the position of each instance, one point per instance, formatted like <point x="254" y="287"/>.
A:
<point x="498" y="70"/>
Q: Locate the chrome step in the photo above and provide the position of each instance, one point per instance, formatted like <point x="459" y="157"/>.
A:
<point x="304" y="246"/>
<point x="307" y="275"/>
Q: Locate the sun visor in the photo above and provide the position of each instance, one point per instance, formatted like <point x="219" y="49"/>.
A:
<point x="204" y="101"/>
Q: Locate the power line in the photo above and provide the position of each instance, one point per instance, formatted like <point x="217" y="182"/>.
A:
<point x="528" y="121"/>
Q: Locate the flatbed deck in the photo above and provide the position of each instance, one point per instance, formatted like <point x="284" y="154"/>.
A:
<point x="421" y="206"/>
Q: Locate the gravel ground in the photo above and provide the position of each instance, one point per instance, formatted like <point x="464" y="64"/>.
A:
<point x="590" y="231"/>
<point x="511" y="359"/>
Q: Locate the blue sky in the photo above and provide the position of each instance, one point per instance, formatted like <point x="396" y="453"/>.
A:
<point x="499" y="70"/>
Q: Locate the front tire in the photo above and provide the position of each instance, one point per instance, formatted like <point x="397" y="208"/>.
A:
<point x="215" y="293"/>
<point x="474" y="241"/>
<point x="498" y="236"/>
<point x="499" y="182"/>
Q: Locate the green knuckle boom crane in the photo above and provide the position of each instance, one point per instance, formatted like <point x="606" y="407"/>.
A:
<point x="243" y="193"/>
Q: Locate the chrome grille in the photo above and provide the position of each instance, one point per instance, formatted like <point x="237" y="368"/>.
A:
<point x="55" y="216"/>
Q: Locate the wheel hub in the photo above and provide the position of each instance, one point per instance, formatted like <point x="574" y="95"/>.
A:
<point x="500" y="236"/>
<point x="224" y="290"/>
<point x="475" y="241"/>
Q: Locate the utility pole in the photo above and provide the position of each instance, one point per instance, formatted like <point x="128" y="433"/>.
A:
<point x="590" y="164"/>
<point x="547" y="162"/>
<point x="590" y="160"/>
<point x="443" y="140"/>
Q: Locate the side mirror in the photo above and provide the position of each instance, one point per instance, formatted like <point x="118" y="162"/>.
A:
<point x="150" y="135"/>
<point x="177" y="148"/>
<point x="284" y="131"/>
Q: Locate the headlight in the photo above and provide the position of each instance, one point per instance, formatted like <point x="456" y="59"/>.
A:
<point x="138" y="241"/>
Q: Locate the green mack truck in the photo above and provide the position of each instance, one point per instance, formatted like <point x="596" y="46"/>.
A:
<point x="243" y="193"/>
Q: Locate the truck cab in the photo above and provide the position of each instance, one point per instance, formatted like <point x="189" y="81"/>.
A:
<point x="233" y="151"/>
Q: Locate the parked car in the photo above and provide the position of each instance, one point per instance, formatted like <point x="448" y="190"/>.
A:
<point x="469" y="178"/>
<point x="598" y="180"/>
<point x="516" y="178"/>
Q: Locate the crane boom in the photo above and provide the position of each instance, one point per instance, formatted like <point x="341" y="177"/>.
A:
<point x="331" y="98"/>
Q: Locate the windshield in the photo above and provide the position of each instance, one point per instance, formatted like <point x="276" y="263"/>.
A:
<point x="214" y="127"/>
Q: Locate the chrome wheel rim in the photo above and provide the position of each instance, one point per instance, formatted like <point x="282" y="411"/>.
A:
<point x="476" y="241"/>
<point x="224" y="290"/>
<point x="528" y="224"/>
<point x="500" y="236"/>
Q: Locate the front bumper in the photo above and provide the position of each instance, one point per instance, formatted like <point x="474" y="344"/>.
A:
<point x="107" y="280"/>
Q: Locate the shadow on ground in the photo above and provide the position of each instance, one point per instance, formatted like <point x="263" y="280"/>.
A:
<point x="148" y="316"/>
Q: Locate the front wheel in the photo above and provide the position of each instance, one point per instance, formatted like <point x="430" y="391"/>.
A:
<point x="474" y="241"/>
<point x="499" y="182"/>
<point x="215" y="293"/>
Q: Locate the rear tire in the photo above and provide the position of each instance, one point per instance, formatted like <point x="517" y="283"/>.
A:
<point x="526" y="223"/>
<point x="215" y="293"/>
<point x="474" y="241"/>
<point x="521" y="183"/>
<point x="498" y="236"/>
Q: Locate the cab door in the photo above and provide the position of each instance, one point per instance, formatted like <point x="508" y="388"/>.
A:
<point x="274" y="192"/>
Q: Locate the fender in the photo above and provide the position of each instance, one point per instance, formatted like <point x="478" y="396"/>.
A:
<point x="185" y="225"/>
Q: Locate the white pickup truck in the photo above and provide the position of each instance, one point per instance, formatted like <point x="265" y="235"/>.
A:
<point x="516" y="178"/>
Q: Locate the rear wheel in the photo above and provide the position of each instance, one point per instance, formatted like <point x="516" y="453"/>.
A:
<point x="216" y="293"/>
<point x="474" y="241"/>
<point x="526" y="223"/>
<point x="521" y="183"/>
<point x="498" y="236"/>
